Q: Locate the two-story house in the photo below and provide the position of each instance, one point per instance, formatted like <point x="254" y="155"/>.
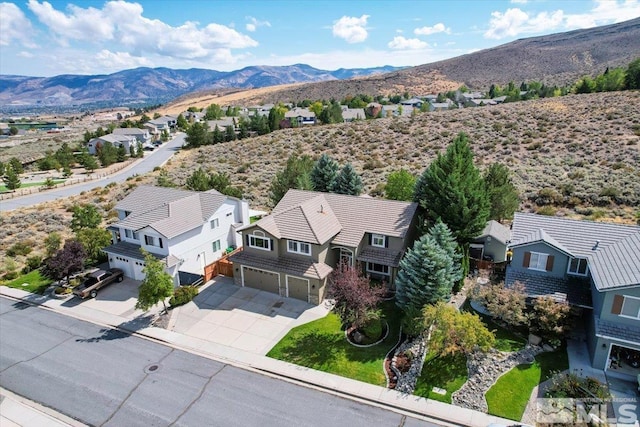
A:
<point x="589" y="264"/>
<point x="127" y="141"/>
<point x="141" y="135"/>
<point x="186" y="229"/>
<point x="292" y="251"/>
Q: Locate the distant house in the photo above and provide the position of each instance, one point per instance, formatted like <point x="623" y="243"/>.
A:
<point x="441" y="106"/>
<point x="127" y="141"/>
<point x="302" y="116"/>
<point x="222" y="123"/>
<point x="481" y="102"/>
<point x="492" y="243"/>
<point x="141" y="135"/>
<point x="187" y="230"/>
<point x="161" y="124"/>
<point x="413" y="103"/>
<point x="592" y="265"/>
<point x="292" y="251"/>
<point x="351" y="114"/>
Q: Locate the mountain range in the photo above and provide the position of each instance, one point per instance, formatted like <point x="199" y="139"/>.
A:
<point x="157" y="85"/>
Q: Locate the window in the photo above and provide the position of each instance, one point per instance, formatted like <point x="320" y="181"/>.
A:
<point x="135" y="236"/>
<point x="151" y="241"/>
<point x="346" y="257"/>
<point x="378" y="268"/>
<point x="631" y="307"/>
<point x="214" y="223"/>
<point x="127" y="213"/>
<point x="378" y="240"/>
<point x="127" y="233"/>
<point x="578" y="266"/>
<point x="216" y="246"/>
<point x="299" y="247"/>
<point x="538" y="261"/>
<point x="259" y="242"/>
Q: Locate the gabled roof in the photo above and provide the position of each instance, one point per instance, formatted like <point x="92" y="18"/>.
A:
<point x="347" y="218"/>
<point x="612" y="250"/>
<point x="130" y="131"/>
<point x="169" y="211"/>
<point x="114" y="138"/>
<point x="497" y="231"/>
<point x="299" y="112"/>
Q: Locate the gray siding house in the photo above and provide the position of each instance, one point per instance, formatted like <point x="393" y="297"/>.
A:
<point x="591" y="265"/>
<point x="292" y="251"/>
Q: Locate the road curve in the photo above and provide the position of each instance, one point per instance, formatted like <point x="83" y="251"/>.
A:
<point x="156" y="158"/>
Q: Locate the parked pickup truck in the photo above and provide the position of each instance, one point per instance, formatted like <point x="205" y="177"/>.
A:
<point x="96" y="281"/>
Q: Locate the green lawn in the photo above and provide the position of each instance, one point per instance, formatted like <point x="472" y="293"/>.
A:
<point x="322" y="345"/>
<point x="30" y="184"/>
<point x="448" y="372"/>
<point x="36" y="283"/>
<point x="509" y="395"/>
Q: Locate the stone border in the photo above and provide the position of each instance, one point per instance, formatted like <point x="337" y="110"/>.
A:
<point x="386" y="357"/>
<point x="384" y="337"/>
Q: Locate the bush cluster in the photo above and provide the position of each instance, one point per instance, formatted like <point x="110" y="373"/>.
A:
<point x="183" y="295"/>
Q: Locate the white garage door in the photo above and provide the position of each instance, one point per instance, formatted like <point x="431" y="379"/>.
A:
<point x="137" y="269"/>
<point x="122" y="263"/>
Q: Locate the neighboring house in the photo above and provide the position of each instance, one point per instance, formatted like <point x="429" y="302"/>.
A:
<point x="302" y="116"/>
<point x="351" y="114"/>
<point x="589" y="264"/>
<point x="161" y="124"/>
<point x="441" y="106"/>
<point x="491" y="244"/>
<point x="481" y="102"/>
<point x="187" y="230"/>
<point x="292" y="251"/>
<point x="413" y="103"/>
<point x="223" y="122"/>
<point x="142" y="135"/>
<point x="116" y="140"/>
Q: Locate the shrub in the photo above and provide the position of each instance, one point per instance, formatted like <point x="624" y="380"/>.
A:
<point x="373" y="329"/>
<point x="20" y="248"/>
<point x="183" y="295"/>
<point x="546" y="210"/>
<point x="33" y="262"/>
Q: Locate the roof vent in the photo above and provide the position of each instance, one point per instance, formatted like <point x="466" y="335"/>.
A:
<point x="596" y="245"/>
<point x="321" y="209"/>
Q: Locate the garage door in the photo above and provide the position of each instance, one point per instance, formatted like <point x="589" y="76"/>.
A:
<point x="123" y="264"/>
<point x="137" y="269"/>
<point x="261" y="279"/>
<point x="298" y="288"/>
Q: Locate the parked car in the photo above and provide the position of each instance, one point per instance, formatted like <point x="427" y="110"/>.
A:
<point x="96" y="281"/>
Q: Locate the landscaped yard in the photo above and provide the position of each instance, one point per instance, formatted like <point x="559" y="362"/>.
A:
<point x="34" y="281"/>
<point x="506" y="340"/>
<point x="322" y="345"/>
<point x="3" y="187"/>
<point x="509" y="395"/>
<point x="445" y="372"/>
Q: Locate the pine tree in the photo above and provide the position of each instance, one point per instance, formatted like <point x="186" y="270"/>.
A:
<point x="348" y="181"/>
<point x="291" y="177"/>
<point x="218" y="136"/>
<point x="428" y="271"/>
<point x="324" y="173"/>
<point x="11" y="178"/>
<point x="503" y="196"/>
<point x="198" y="181"/>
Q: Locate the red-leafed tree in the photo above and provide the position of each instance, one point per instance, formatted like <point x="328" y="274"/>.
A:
<point x="355" y="297"/>
<point x="66" y="261"/>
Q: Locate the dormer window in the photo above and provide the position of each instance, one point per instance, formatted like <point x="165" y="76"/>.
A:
<point x="298" y="247"/>
<point x="578" y="266"/>
<point x="379" y="240"/>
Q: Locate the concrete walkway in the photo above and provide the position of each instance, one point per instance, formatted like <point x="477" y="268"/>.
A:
<point x="442" y="413"/>
<point x="16" y="411"/>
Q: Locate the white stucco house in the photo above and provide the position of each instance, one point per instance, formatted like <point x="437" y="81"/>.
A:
<point x="187" y="230"/>
<point x="116" y="140"/>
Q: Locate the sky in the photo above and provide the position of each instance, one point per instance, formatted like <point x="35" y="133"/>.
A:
<point x="46" y="38"/>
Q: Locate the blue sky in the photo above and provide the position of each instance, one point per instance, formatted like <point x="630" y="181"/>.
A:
<point x="40" y="38"/>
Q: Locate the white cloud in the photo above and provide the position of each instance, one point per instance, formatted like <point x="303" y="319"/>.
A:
<point x="25" y="54"/>
<point x="253" y="24"/>
<point x="120" y="22"/>
<point x="351" y="29"/>
<point x="15" y="26"/>
<point x="402" y="43"/>
<point x="427" y="31"/>
<point x="120" y="60"/>
<point x="520" y="1"/>
<point x="515" y="21"/>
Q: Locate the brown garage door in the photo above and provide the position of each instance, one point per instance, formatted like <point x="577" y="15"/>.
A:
<point x="261" y="279"/>
<point x="298" y="288"/>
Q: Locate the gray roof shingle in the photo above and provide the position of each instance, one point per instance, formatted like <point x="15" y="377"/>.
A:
<point x="131" y="250"/>
<point x="612" y="250"/>
<point x="380" y="256"/>
<point x="615" y="330"/>
<point x="169" y="211"/>
<point x="497" y="231"/>
<point x="296" y="267"/>
<point x="575" y="291"/>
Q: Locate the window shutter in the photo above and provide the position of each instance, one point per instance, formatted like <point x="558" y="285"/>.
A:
<point x="526" y="260"/>
<point x="550" y="263"/>
<point x="386" y="241"/>
<point x="161" y="242"/>
<point x="370" y="239"/>
<point x="616" y="308"/>
<point x="270" y="244"/>
<point x="246" y="239"/>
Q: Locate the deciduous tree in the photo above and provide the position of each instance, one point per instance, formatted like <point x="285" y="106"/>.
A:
<point x="93" y="240"/>
<point x="355" y="297"/>
<point x="66" y="261"/>
<point x="52" y="243"/>
<point x="550" y="317"/>
<point x="502" y="303"/>
<point x="400" y="185"/>
<point x="85" y="216"/>
<point x="156" y="286"/>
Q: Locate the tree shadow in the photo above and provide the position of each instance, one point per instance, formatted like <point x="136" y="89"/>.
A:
<point x="121" y="331"/>
<point x="312" y="349"/>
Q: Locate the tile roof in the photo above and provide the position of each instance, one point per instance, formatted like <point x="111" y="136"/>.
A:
<point x="169" y="211"/>
<point x="614" y="330"/>
<point x="497" y="231"/>
<point x="353" y="216"/>
<point x="380" y="256"/>
<point x="130" y="131"/>
<point x="131" y="250"/>
<point x="296" y="267"/>
<point x="575" y="291"/>
<point x="612" y="250"/>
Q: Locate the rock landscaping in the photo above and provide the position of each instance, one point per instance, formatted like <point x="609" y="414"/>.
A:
<point x="407" y="363"/>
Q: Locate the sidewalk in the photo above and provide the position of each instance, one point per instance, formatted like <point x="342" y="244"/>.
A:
<point x="442" y="413"/>
<point x="16" y="411"/>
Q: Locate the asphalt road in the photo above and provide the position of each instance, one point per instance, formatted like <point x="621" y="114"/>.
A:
<point x="107" y="377"/>
<point x="150" y="161"/>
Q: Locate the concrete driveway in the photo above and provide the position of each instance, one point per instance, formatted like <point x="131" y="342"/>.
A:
<point x="243" y="318"/>
<point x="118" y="298"/>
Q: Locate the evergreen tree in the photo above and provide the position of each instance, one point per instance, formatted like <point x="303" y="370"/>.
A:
<point x="632" y="75"/>
<point x="164" y="180"/>
<point x="16" y="165"/>
<point x="400" y="185"/>
<point x="181" y="122"/>
<point x="11" y="178"/>
<point x="324" y="173"/>
<point x="218" y="136"/>
<point x="452" y="189"/>
<point x="428" y="271"/>
<point x="348" y="181"/>
<point x="156" y="286"/>
<point x="107" y="154"/>
<point x="503" y="196"/>
<point x="197" y="135"/>
<point x="291" y="177"/>
<point x="88" y="162"/>
<point x="276" y="115"/>
<point x="198" y="181"/>
<point x="121" y="153"/>
<point x="229" y="133"/>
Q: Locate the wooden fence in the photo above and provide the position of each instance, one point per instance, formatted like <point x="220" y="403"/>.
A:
<point x="222" y="267"/>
